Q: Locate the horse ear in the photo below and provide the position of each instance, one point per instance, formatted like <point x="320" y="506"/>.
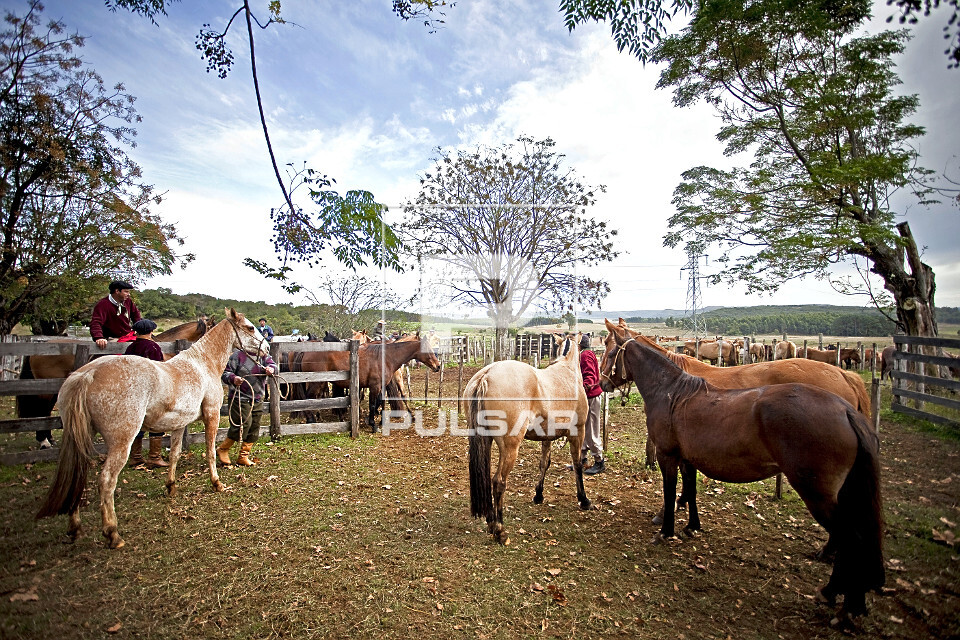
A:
<point x="610" y="326"/>
<point x="229" y="312"/>
<point x="619" y="337"/>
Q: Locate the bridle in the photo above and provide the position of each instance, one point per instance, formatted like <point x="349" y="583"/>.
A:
<point x="613" y="369"/>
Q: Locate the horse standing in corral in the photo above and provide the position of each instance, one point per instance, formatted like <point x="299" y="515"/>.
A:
<point x="758" y="352"/>
<point x="711" y="350"/>
<point x="886" y="361"/>
<point x="116" y="396"/>
<point x="823" y="445"/>
<point x="377" y="364"/>
<point x="509" y="401"/>
<point x="829" y="356"/>
<point x="60" y="366"/>
<point x="850" y="356"/>
<point x="784" y="350"/>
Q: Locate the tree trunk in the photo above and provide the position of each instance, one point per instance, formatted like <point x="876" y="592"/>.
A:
<point x="913" y="292"/>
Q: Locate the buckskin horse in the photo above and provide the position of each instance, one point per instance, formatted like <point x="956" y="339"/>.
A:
<point x="509" y="401"/>
<point x="60" y="366"/>
<point x="821" y="443"/>
<point x="117" y="395"/>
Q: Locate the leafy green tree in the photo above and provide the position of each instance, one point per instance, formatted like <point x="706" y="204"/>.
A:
<point x="830" y="142"/>
<point x="74" y="211"/>
<point x="639" y="26"/>
<point x="509" y="225"/>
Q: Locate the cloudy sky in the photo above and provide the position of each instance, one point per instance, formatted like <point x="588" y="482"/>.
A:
<point x="366" y="99"/>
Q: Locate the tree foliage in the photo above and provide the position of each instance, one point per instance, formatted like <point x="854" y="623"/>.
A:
<point x="511" y="224"/>
<point x="639" y="26"/>
<point x="74" y="211"/>
<point x="830" y="141"/>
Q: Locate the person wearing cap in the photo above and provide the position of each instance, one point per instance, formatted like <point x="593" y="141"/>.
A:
<point x="266" y="330"/>
<point x="380" y="332"/>
<point x="145" y="347"/>
<point x="113" y="316"/>
<point x="245" y="378"/>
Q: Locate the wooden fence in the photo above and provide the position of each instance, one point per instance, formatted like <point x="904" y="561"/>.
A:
<point x="82" y="350"/>
<point x="911" y="366"/>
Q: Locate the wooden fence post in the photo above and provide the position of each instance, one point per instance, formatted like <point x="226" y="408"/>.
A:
<point x="461" y="350"/>
<point x="274" y="395"/>
<point x="355" y="388"/>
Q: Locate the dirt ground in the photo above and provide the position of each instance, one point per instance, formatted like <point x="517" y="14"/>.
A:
<point x="332" y="537"/>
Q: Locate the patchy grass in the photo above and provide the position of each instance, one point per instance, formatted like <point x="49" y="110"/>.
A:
<point x="372" y="537"/>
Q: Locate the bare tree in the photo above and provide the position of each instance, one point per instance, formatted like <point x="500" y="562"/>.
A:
<point x="509" y="228"/>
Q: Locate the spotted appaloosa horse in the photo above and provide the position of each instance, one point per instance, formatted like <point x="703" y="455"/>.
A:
<point x="116" y="396"/>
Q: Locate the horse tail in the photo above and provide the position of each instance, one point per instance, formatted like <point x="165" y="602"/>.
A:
<point x="859" y="563"/>
<point x="860" y="391"/>
<point x="76" y="448"/>
<point x="481" y="494"/>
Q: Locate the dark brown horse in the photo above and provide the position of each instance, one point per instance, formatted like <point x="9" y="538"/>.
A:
<point x="377" y="364"/>
<point x="60" y="366"/>
<point x="821" y="443"/>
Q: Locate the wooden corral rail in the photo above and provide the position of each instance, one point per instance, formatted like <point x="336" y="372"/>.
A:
<point x="82" y="351"/>
<point x="352" y="402"/>
<point x="909" y="349"/>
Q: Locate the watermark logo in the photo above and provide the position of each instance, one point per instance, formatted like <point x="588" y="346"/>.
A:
<point x="491" y="423"/>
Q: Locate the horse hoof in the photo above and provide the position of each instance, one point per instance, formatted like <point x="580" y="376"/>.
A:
<point x="658" y="520"/>
<point x="114" y="541"/>
<point x="586" y="505"/>
<point x="691" y="533"/>
<point x="825" y="555"/>
<point x="659" y="539"/>
<point x="219" y="486"/>
<point x="171" y="490"/>
<point x="825" y="598"/>
<point x="538" y="498"/>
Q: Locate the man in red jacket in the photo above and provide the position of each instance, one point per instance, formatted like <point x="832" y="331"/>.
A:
<point x="113" y="316"/>
<point x="592" y="439"/>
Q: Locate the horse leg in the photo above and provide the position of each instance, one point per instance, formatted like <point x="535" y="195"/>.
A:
<point x="668" y="469"/>
<point x="651" y="452"/>
<point x="544" y="465"/>
<point x="508" y="446"/>
<point x="211" y="423"/>
<point x="576" y="444"/>
<point x="688" y="495"/>
<point x="116" y="459"/>
<point x="74" y="529"/>
<point x="176" y="444"/>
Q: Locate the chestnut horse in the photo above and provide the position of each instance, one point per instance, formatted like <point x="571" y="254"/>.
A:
<point x="117" y="395"/>
<point x="509" y="401"/>
<point x="60" y="366"/>
<point x="829" y="356"/>
<point x="710" y="350"/>
<point x="823" y="445"/>
<point x="376" y="366"/>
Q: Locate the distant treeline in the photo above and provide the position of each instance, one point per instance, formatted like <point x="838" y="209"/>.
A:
<point x="283" y="318"/>
<point x="799" y="320"/>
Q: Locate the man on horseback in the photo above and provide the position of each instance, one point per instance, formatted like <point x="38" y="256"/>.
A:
<point x="244" y="376"/>
<point x="114" y="315"/>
